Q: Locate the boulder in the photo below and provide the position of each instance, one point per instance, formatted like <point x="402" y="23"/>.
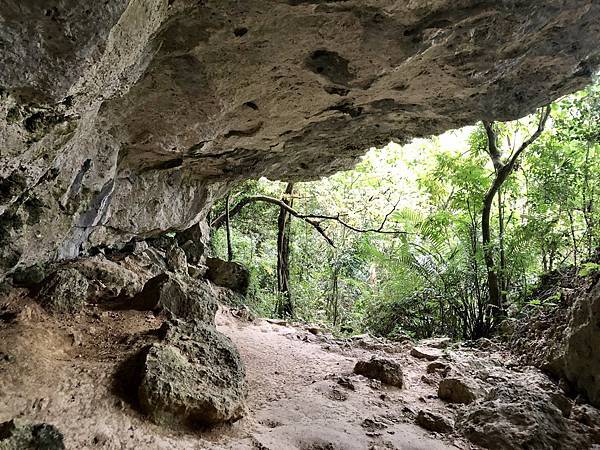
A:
<point x="17" y="435"/>
<point x="184" y="298"/>
<point x="382" y="369"/>
<point x="176" y="260"/>
<point x="109" y="279"/>
<point x="458" y="390"/>
<point x="228" y="274"/>
<point x="430" y="354"/>
<point x="65" y="291"/>
<point x="194" y="376"/>
<point x="29" y="277"/>
<point x="433" y="422"/>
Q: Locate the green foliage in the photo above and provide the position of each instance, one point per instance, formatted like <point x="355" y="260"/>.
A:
<point x="588" y="269"/>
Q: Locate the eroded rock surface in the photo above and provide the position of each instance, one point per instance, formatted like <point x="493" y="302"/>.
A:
<point x="194" y="376"/>
<point x="127" y="118"/>
<point x="563" y="341"/>
<point x="521" y="414"/>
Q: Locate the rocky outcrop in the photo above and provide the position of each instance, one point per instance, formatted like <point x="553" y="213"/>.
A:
<point x="194" y="376"/>
<point x="563" y="340"/>
<point x="581" y="358"/>
<point x="17" y="435"/>
<point x="519" y="414"/>
<point x="385" y="370"/>
<point x="127" y="118"/>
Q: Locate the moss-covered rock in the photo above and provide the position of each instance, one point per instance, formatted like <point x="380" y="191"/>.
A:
<point x="17" y="435"/>
<point x="194" y="376"/>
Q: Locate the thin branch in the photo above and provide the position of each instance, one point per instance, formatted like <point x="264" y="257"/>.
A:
<point x="312" y="219"/>
<point x="544" y="115"/>
<point x="263" y="198"/>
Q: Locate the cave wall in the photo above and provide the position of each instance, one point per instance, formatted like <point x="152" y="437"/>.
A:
<point x="129" y="118"/>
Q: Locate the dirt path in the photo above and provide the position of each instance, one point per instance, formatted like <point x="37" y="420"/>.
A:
<point x="297" y="403"/>
<point x="61" y="373"/>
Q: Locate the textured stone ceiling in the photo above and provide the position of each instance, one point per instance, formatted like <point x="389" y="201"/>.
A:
<point x="127" y="118"/>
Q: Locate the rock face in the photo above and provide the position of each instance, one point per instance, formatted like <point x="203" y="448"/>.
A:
<point x="127" y="118"/>
<point x="15" y="435"/>
<point x="581" y="358"/>
<point x="382" y="369"/>
<point x="564" y="342"/>
<point x="194" y="376"/>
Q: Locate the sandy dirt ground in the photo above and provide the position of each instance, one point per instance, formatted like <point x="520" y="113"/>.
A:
<point x="68" y="371"/>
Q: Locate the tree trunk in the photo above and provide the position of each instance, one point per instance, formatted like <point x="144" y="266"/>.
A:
<point x="285" y="307"/>
<point x="502" y="171"/>
<point x="494" y="295"/>
<point x="503" y="274"/>
<point x="228" y="230"/>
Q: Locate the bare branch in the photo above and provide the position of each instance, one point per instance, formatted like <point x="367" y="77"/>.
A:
<point x="263" y="198"/>
<point x="312" y="219"/>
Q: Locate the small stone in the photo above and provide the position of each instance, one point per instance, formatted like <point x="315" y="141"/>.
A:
<point x="430" y="354"/>
<point x="433" y="422"/>
<point x="347" y="383"/>
<point x="382" y="369"/>
<point x="337" y="395"/>
<point x="373" y="424"/>
<point x="375" y="384"/>
<point x="441" y="342"/>
<point x="438" y="367"/>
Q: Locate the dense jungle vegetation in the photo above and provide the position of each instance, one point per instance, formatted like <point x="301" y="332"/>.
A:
<point x="403" y="243"/>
